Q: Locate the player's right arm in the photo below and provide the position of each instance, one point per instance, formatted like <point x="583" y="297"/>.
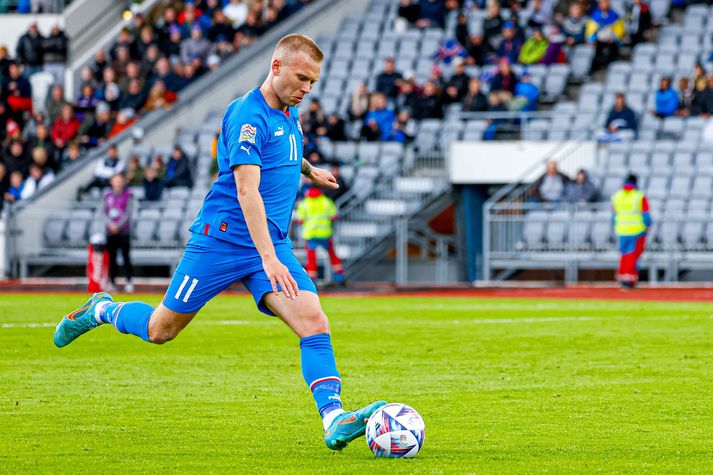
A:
<point x="247" y="181"/>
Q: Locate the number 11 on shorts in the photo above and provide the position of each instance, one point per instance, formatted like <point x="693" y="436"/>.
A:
<point x="186" y="278"/>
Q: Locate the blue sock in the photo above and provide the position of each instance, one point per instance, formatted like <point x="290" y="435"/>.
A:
<point x="320" y="372"/>
<point x="130" y="317"/>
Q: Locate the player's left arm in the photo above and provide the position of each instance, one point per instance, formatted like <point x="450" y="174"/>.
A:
<point x="318" y="176"/>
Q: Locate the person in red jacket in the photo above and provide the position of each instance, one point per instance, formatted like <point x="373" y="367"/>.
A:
<point x="65" y="128"/>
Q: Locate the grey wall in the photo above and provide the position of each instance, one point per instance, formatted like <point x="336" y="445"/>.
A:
<point x="87" y="20"/>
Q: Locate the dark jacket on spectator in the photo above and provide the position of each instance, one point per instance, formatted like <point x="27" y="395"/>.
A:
<point x="55" y="48"/>
<point x="702" y="102"/>
<point x="584" y="192"/>
<point x="625" y="118"/>
<point x="178" y="173"/>
<point x="476" y="103"/>
<point x="434" y="11"/>
<point x="152" y="189"/>
<point x="502" y="83"/>
<point x="428" y="107"/>
<point x="410" y="12"/>
<point x="386" y="84"/>
<point x="29" y="50"/>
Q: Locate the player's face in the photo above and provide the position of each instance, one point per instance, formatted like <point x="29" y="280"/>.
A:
<point x="298" y="74"/>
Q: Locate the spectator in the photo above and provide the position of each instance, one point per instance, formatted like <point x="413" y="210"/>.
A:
<point x="5" y="63"/>
<point x="95" y="131"/>
<point x="428" y="105"/>
<point x="195" y="47"/>
<point x="700" y="79"/>
<point x="666" y="99"/>
<point x="360" y="102"/>
<point x="555" y="48"/>
<point x="336" y="128"/>
<point x="221" y="29"/>
<point x="42" y="140"/>
<point x="685" y="97"/>
<point x="65" y="128"/>
<point x="133" y="73"/>
<point x="605" y="29"/>
<point x="510" y="44"/>
<point x="118" y="207"/>
<point x="703" y="100"/>
<point x="164" y="74"/>
<point x="55" y="54"/>
<point x="431" y="14"/>
<point x="457" y="85"/>
<point x="135" y="98"/>
<point x="40" y="158"/>
<point x="104" y="170"/>
<point x="17" y="159"/>
<point x="14" y="190"/>
<point x="146" y="40"/>
<point x="550" y="187"/>
<point x="159" y="165"/>
<point x="124" y="119"/>
<point x="237" y="12"/>
<point x="404" y="128"/>
<point x="493" y="25"/>
<point x="448" y="51"/>
<point x="526" y="95"/>
<point x="582" y="190"/>
<point x="379" y="120"/>
<point x="17" y="91"/>
<point x="387" y="81"/>
<point x="505" y="80"/>
<point x="539" y="13"/>
<point x="475" y="100"/>
<point x="134" y="171"/>
<point x="315" y="115"/>
<point x="409" y="10"/>
<point x="408" y="92"/>
<point x="71" y="156"/>
<point x="332" y="193"/>
<point x="178" y="170"/>
<point x="54" y="103"/>
<point x="573" y="25"/>
<point x="620" y="118"/>
<point x="638" y="22"/>
<point x="534" y="49"/>
<point x="4" y="183"/>
<point x="152" y="185"/>
<point x="86" y="103"/>
<point x="100" y="64"/>
<point x="495" y="104"/>
<point x="29" y="50"/>
<point x="38" y="179"/>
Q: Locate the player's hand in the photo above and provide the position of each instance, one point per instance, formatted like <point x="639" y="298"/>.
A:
<point x="322" y="178"/>
<point x="278" y="273"/>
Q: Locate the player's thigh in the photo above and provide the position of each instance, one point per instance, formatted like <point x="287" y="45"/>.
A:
<point x="304" y="314"/>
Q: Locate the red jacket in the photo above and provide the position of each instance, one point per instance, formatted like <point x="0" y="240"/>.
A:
<point x="65" y="131"/>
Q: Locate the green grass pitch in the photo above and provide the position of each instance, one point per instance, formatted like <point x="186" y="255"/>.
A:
<point x="505" y="386"/>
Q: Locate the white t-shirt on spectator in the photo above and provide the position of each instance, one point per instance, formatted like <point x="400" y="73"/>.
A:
<point x="237" y="12"/>
<point x="31" y="186"/>
<point x="106" y="170"/>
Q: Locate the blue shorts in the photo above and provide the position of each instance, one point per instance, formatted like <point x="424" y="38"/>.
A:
<point x="210" y="265"/>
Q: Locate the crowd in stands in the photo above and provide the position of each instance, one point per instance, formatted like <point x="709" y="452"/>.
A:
<point x="689" y="98"/>
<point x="32" y="6"/>
<point x="556" y="187"/>
<point x="153" y="60"/>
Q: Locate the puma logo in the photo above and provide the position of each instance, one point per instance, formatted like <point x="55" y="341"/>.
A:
<point x="246" y="149"/>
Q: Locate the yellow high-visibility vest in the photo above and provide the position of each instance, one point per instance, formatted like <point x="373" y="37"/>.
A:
<point x="628" y="214"/>
<point x="316" y="215"/>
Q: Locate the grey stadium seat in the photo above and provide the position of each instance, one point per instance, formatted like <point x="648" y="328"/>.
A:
<point x="534" y="229"/>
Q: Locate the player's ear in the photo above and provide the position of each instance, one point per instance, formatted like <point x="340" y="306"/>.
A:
<point x="276" y="67"/>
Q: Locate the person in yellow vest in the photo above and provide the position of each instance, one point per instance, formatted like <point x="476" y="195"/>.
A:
<point x="317" y="213"/>
<point x="631" y="223"/>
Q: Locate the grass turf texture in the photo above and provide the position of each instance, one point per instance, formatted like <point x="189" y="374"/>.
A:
<point x="503" y="385"/>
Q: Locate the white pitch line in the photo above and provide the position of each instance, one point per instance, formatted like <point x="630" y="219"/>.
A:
<point x="475" y="321"/>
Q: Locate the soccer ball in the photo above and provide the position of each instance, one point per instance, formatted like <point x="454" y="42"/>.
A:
<point x="395" y="430"/>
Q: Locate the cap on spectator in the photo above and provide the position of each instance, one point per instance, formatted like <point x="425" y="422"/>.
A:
<point x="508" y="25"/>
<point x="174" y="29"/>
<point x="196" y="26"/>
<point x="102" y="107"/>
<point x="220" y="38"/>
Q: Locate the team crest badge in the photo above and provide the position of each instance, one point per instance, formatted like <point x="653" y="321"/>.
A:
<point x="247" y="133"/>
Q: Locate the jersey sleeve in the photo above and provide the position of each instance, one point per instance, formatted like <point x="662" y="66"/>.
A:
<point x="244" y="136"/>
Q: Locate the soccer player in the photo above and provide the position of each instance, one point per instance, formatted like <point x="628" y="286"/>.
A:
<point x="245" y="239"/>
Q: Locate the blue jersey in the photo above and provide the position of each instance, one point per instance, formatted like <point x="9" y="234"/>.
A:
<point x="253" y="133"/>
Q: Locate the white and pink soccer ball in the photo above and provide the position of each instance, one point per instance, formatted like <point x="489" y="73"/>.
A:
<point x="395" y="431"/>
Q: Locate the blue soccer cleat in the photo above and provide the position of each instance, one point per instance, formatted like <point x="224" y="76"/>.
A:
<point x="348" y="426"/>
<point x="79" y="321"/>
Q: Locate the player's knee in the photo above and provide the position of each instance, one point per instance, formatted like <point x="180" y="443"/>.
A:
<point x="315" y="322"/>
<point x="160" y="334"/>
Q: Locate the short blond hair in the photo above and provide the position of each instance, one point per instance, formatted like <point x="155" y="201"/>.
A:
<point x="295" y="43"/>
